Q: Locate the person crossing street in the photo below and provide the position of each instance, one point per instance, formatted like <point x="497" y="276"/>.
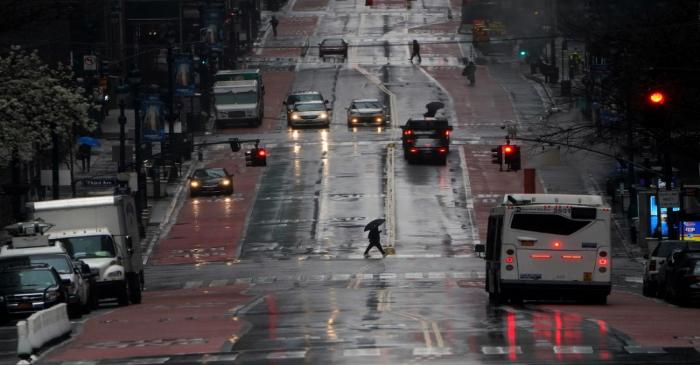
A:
<point x="374" y="241"/>
<point x="274" y="22"/>
<point x="415" y="51"/>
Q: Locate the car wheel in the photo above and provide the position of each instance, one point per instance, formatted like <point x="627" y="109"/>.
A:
<point x="648" y="290"/>
<point x="123" y="297"/>
<point x="193" y="194"/>
<point x="229" y="192"/>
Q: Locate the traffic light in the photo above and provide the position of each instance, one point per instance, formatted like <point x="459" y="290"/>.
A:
<point x="523" y="53"/>
<point x="235" y="145"/>
<point x="497" y="155"/>
<point x="511" y="156"/>
<point x="256" y="157"/>
<point x="656" y="97"/>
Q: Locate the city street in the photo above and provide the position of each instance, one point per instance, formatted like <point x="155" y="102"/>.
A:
<point x="275" y="272"/>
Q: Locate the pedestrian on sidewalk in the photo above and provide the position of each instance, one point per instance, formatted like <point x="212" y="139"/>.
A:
<point x="84" y="155"/>
<point x="415" y="51"/>
<point x="274" y="22"/>
<point x="470" y="72"/>
<point x="374" y="239"/>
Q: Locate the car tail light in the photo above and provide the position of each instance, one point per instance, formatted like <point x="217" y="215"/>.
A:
<point x="442" y="150"/>
<point x="447" y="133"/>
<point x="407" y="132"/>
<point x="262" y="152"/>
<point x="413" y="150"/>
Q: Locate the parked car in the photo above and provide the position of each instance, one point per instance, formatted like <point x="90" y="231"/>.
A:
<point x="309" y="114"/>
<point x="301" y="96"/>
<point x="336" y="46"/>
<point x="211" y="180"/>
<point x="26" y="289"/>
<point x="654" y="261"/>
<point x="680" y="277"/>
<point x="81" y="295"/>
<point x="366" y="111"/>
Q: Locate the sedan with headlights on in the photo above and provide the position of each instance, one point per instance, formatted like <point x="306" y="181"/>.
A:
<point x="366" y="111"/>
<point x="310" y="114"/>
<point x="214" y="180"/>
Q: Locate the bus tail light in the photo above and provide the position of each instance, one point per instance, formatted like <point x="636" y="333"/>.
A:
<point x="413" y="150"/>
<point x="540" y="256"/>
<point x="571" y="257"/>
<point x="407" y="132"/>
<point x="442" y="150"/>
<point x="509" y="260"/>
<point x="602" y="261"/>
<point x="556" y="244"/>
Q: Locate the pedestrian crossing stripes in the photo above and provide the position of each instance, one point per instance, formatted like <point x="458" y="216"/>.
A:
<point x="366" y="353"/>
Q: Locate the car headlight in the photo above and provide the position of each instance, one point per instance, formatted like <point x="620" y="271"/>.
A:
<point x="225" y="182"/>
<point x="378" y="119"/>
<point x="323" y="115"/>
<point x="295" y="116"/>
<point x="354" y="120"/>
<point x="116" y="274"/>
<point x="52" y="295"/>
<point x="194" y="184"/>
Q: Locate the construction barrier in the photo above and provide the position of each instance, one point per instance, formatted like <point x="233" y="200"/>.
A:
<point x="41" y="328"/>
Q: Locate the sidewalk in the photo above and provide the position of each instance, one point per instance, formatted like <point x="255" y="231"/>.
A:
<point x="104" y="164"/>
<point x="579" y="171"/>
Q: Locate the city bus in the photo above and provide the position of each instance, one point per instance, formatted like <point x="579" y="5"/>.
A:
<point x="548" y="246"/>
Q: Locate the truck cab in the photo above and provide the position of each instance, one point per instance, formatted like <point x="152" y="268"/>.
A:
<point x="238" y="102"/>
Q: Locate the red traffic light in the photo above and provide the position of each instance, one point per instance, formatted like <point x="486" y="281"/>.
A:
<point x="656" y="97"/>
<point x="507" y="149"/>
<point x="262" y="152"/>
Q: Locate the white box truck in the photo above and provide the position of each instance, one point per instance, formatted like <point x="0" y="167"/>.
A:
<point x="102" y="232"/>
<point x="238" y="101"/>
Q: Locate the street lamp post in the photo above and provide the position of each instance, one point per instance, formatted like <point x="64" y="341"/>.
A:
<point x="141" y="194"/>
<point x="122" y="137"/>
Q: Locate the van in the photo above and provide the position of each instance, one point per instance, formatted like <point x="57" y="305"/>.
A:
<point x="238" y="101"/>
<point x="103" y="232"/>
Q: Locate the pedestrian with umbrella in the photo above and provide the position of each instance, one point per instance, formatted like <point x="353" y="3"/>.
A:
<point x="373" y="236"/>
<point x="274" y="22"/>
<point x="433" y="107"/>
<point x="84" y="154"/>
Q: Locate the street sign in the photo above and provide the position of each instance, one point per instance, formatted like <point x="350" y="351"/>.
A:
<point x="90" y="63"/>
<point x="101" y="181"/>
<point x="669" y="199"/>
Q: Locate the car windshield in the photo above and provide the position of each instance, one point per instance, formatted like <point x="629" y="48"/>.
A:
<point x="88" y="246"/>
<point x="303" y="97"/>
<point x="332" y="42"/>
<point x="367" y="105"/>
<point x="207" y="173"/>
<point x="59" y="262"/>
<point x="309" y="107"/>
<point x="244" y="97"/>
<point x="26" y="279"/>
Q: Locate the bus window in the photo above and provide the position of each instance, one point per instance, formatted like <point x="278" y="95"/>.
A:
<point x="493" y="237"/>
<point x="547" y="223"/>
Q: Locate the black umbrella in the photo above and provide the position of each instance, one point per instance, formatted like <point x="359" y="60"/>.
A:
<point x="433" y="107"/>
<point x="374" y="224"/>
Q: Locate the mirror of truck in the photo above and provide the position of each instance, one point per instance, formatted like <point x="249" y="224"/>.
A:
<point x="129" y="245"/>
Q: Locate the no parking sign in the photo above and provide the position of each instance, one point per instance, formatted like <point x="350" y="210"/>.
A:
<point x="89" y="63"/>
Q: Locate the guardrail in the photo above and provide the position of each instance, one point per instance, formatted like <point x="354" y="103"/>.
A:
<point x="41" y="328"/>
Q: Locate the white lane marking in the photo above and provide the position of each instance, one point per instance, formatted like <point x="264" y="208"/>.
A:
<point x="287" y="355"/>
<point x="436" y="275"/>
<point x="634" y="279"/>
<point x="644" y="350"/>
<point x="500" y="350"/>
<point x="244" y="280"/>
<point x="340" y="277"/>
<point x="80" y="362"/>
<point x="193" y="284"/>
<point x="364" y="276"/>
<point x="432" y="351"/>
<point x="155" y="360"/>
<point x="212" y="358"/>
<point x="471" y="217"/>
<point x="220" y="282"/>
<point x="414" y="275"/>
<point x="362" y="352"/>
<point x="460" y="275"/>
<point x="573" y="349"/>
<point x="387" y="276"/>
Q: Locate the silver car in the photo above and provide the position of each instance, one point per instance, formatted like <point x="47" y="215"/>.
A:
<point x="366" y="111"/>
<point x="310" y="114"/>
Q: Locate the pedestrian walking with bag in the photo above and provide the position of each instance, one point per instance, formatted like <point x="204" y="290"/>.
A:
<point x="470" y="72"/>
<point x="84" y="155"/>
<point x="415" y="51"/>
<point x="274" y="22"/>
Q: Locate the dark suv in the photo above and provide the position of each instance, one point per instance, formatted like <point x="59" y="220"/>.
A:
<point x="680" y="277"/>
<point x="28" y="289"/>
<point x="655" y="260"/>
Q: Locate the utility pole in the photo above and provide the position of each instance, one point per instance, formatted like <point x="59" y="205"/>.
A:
<point x="54" y="165"/>
<point x="122" y="137"/>
<point x="171" y="92"/>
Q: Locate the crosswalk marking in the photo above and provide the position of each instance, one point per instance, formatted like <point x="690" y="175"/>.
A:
<point x="220" y="282"/>
<point x="501" y="350"/>
<point x="341" y="277"/>
<point x="432" y="351"/>
<point x="193" y="284"/>
<point x="414" y="275"/>
<point x="573" y="349"/>
<point x="287" y="355"/>
<point x="644" y="350"/>
<point x="362" y="352"/>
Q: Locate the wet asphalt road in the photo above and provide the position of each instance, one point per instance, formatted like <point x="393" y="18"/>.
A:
<point x="315" y="299"/>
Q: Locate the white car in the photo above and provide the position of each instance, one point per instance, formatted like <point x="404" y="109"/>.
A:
<point x="310" y="113"/>
<point x="366" y="111"/>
